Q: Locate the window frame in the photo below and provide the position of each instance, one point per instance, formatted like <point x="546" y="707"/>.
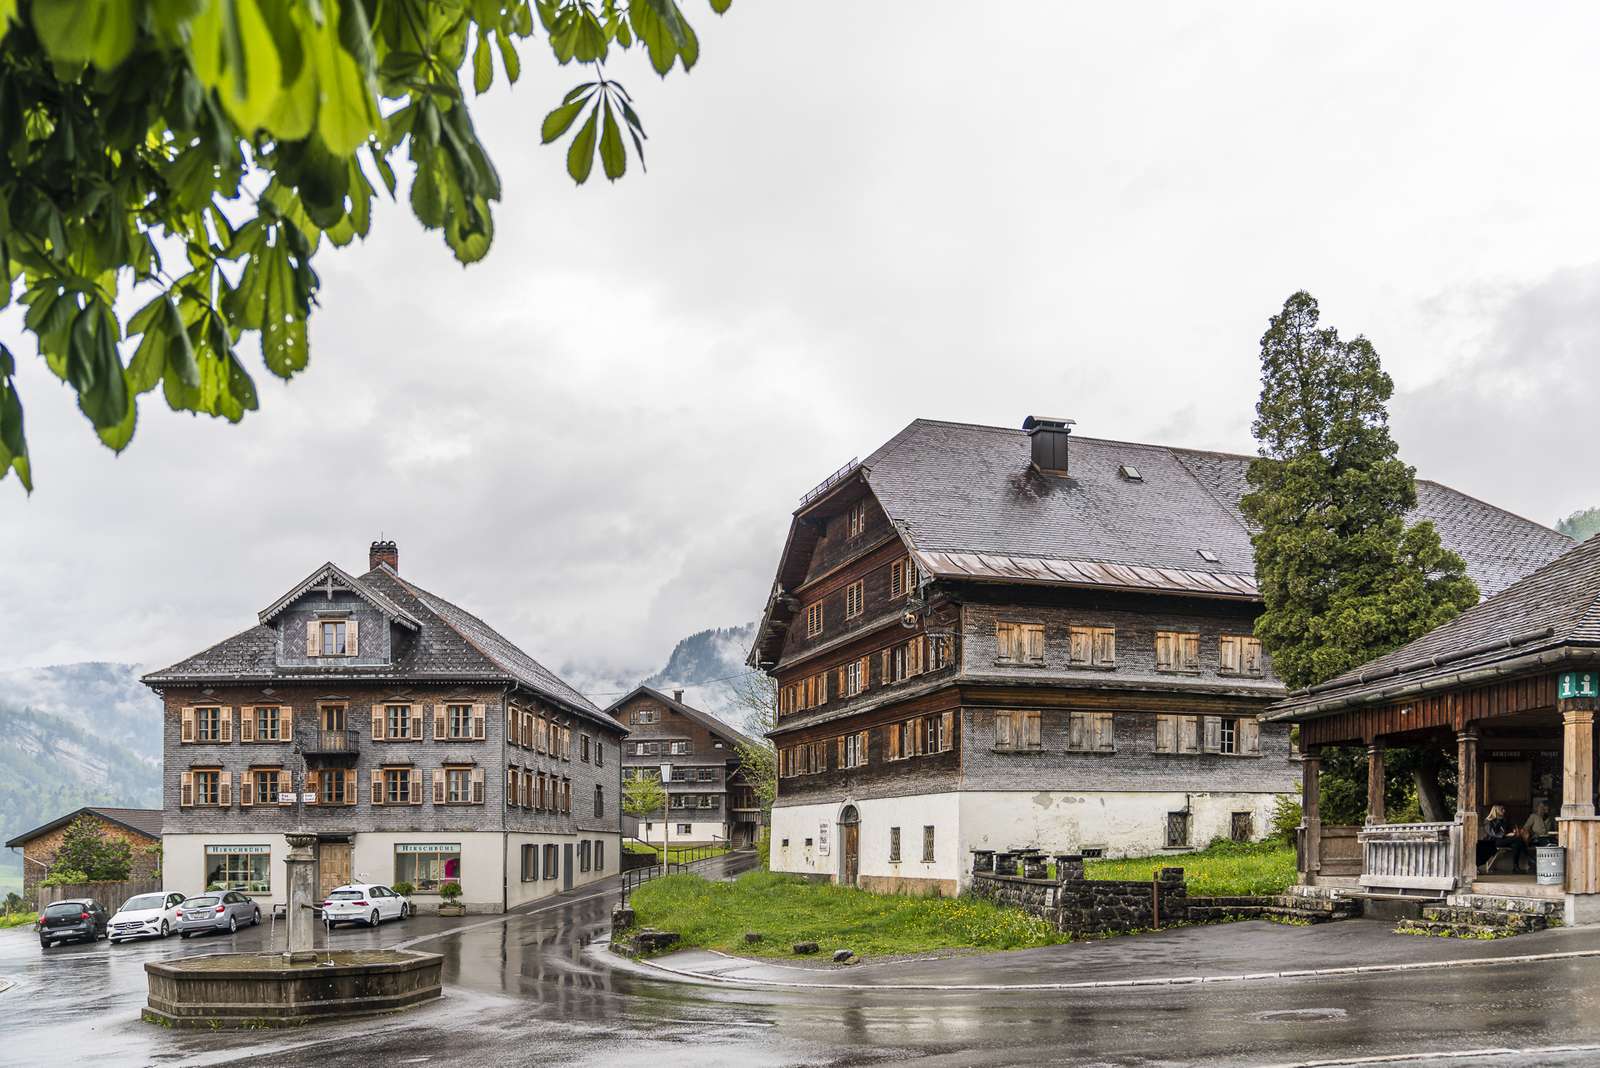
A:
<point x="814" y="619"/>
<point x="855" y="599"/>
<point x="1023" y="733"/>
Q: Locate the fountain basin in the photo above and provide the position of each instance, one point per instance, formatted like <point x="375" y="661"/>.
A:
<point x="248" y="990"/>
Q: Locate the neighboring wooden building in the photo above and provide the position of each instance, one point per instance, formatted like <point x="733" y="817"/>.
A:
<point x="990" y="638"/>
<point x="139" y="827"/>
<point x="696" y="756"/>
<point x="418" y="744"/>
<point x="1510" y="689"/>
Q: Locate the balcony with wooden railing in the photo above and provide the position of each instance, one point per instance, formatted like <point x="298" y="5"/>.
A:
<point x="315" y="741"/>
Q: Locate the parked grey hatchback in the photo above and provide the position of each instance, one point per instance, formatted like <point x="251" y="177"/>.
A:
<point x="222" y="910"/>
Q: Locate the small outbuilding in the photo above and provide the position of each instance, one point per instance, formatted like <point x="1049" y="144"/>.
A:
<point x="1506" y="693"/>
<point x="139" y="827"/>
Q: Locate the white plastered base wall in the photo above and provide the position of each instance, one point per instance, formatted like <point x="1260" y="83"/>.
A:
<point x="183" y="862"/>
<point x="520" y="891"/>
<point x="1124" y="823"/>
<point x="701" y="832"/>
<point x="372" y="860"/>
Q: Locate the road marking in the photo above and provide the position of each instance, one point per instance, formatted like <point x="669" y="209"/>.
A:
<point x="1448" y="1055"/>
<point x="1106" y="984"/>
<point x="5" y="984"/>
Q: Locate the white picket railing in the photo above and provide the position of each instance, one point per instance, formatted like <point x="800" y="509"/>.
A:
<point x="1410" y="856"/>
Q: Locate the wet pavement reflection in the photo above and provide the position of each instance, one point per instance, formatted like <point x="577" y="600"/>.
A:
<point x="525" y="989"/>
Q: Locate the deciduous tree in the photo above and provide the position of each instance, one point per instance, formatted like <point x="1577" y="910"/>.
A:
<point x="194" y="156"/>
<point x="1581" y="525"/>
<point x="1343" y="576"/>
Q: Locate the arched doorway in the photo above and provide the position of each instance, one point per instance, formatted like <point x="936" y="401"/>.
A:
<point x="849" y="845"/>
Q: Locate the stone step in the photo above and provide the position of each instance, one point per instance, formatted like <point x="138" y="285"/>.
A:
<point x="1531" y="906"/>
<point x="1458" y="930"/>
<point x="1310" y="915"/>
<point x="1486" y="918"/>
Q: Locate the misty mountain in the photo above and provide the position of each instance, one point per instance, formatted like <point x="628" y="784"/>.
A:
<point x="107" y="699"/>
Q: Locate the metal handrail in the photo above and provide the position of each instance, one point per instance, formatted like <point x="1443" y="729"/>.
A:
<point x="632" y="880"/>
<point x="831" y="481"/>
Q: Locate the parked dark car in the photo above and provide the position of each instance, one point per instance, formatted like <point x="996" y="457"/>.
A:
<point x="81" y="918"/>
<point x="219" y="910"/>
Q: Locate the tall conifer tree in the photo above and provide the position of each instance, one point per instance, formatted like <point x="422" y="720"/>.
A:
<point x="1344" y="578"/>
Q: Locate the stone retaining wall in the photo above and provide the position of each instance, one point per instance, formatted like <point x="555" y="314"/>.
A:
<point x="1079" y="905"/>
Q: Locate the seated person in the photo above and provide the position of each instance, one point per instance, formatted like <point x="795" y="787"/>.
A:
<point x="1540" y="827"/>
<point x="1496" y="836"/>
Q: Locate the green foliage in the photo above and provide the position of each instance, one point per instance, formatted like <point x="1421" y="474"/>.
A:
<point x="1223" y="868"/>
<point x="403" y="889"/>
<point x="86" y="849"/>
<point x="65" y="877"/>
<point x="195" y="154"/>
<point x="1343" y="577"/>
<point x="1581" y="525"/>
<point x="1343" y="783"/>
<point x="450" y="891"/>
<point x="13" y="904"/>
<point x="643" y="795"/>
<point x="1286" y="816"/>
<point x="787" y="909"/>
<point x="18" y="919"/>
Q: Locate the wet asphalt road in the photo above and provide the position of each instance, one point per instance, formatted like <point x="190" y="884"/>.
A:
<point x="528" y="990"/>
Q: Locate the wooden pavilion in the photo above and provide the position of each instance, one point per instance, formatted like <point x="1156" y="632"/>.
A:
<point x="1509" y="689"/>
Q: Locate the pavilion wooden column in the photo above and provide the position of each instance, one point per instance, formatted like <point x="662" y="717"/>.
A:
<point x="1310" y="814"/>
<point x="1375" y="782"/>
<point x="1577" y="826"/>
<point x="1467" y="802"/>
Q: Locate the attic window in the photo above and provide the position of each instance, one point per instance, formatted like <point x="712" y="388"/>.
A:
<point x="1131" y="473"/>
<point x="1208" y="556"/>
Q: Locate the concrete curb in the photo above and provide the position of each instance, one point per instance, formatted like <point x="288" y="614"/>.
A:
<point x="710" y="979"/>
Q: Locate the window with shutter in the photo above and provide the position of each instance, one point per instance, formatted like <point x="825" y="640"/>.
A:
<point x="377" y="786"/>
<point x="1188" y="734"/>
<point x="1212" y="726"/>
<point x="1177" y="651"/>
<point x="854" y="599"/>
<point x="225" y="724"/>
<point x="1105" y="739"/>
<point x="380" y="723"/>
<point x="814" y="619"/>
<point x="1077" y="731"/>
<point x="1249" y="736"/>
<point x="1017" y="730"/>
<point x="225" y="789"/>
<point x="1166" y="734"/>
<point x="947" y="731"/>
<point x="247" y="723"/>
<point x="185" y="789"/>
<point x="1003" y="737"/>
<point x="1189" y="651"/>
<point x="1228" y="654"/>
<point x="480" y="718"/>
<point x="247" y="788"/>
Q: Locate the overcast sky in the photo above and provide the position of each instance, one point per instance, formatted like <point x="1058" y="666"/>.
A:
<point x="857" y="214"/>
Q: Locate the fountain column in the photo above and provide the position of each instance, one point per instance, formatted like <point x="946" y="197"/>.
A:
<point x="302" y="920"/>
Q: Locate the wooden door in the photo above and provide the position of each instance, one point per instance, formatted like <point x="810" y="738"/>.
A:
<point x="566" y="866"/>
<point x="850" y="849"/>
<point x="333" y="866"/>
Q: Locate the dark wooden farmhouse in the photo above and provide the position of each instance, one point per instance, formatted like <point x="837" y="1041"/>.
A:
<point x="696" y="757"/>
<point x="418" y="744"/>
<point x="1509" y="690"/>
<point x="139" y="827"/>
<point x="992" y="638"/>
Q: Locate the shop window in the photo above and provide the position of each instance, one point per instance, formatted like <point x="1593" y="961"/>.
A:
<point x="247" y="868"/>
<point x="427" y="865"/>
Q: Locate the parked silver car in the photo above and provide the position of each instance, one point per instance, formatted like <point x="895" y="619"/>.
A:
<point x="220" y="910"/>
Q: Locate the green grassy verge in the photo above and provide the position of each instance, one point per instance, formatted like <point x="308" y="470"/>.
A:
<point x="1221" y="869"/>
<point x="675" y="854"/>
<point x="786" y="909"/>
<point x="18" y="919"/>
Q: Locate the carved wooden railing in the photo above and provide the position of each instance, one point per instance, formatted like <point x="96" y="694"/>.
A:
<point x="1410" y="856"/>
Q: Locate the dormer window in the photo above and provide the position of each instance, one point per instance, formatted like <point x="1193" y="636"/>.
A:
<point x="858" y="519"/>
<point x="331" y="637"/>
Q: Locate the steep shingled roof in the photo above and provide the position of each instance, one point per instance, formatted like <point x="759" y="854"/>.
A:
<point x="705" y="719"/>
<point x="1555" y="608"/>
<point x="958" y="488"/>
<point x="145" y="821"/>
<point x="450" y="644"/>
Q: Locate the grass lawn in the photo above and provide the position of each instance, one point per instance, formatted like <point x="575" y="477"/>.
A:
<point x="1222" y="868"/>
<point x="18" y="919"/>
<point x="787" y="909"/>
<point x="676" y="854"/>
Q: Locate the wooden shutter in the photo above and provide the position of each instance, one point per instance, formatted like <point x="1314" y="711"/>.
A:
<point x="225" y="724"/>
<point x="1166" y="734"/>
<point x="1005" y="640"/>
<point x="377" y="786"/>
<point x="947" y="722"/>
<point x="285" y="723"/>
<point x="511" y="787"/>
<point x="1250" y="656"/>
<point x="185" y="789"/>
<point x="416" y="721"/>
<point x="438" y="786"/>
<point x="1228" y="653"/>
<point x="247" y="788"/>
<point x="1191" y="652"/>
<point x="1082" y="645"/>
<point x="914" y="656"/>
<point x="352" y="645"/>
<point x="439" y="724"/>
<point x="186" y="726"/>
<point x="1031" y="721"/>
<point x="479" y="714"/>
<point x="313" y="638"/>
<point x="511" y="725"/>
<point x="247" y="723"/>
<point x="349" y="786"/>
<point x="1213" y="734"/>
<point x="862" y="749"/>
<point x="839" y="745"/>
<point x="225" y="789"/>
<point x="1188" y="734"/>
<point x="313" y="784"/>
<point x="1004" y="736"/>
<point x="414" y="786"/>
<point x="893" y="749"/>
<point x="378" y="722"/>
<point x="1105" y="739"/>
<point x="1105" y="646"/>
<point x="1075" y="732"/>
<point x="1249" y="735"/>
<point x="1166" y="650"/>
<point x="477" y="786"/>
<point x="1034" y="636"/>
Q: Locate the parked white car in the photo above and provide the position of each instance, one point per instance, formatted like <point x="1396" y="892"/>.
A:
<point x="145" y="916"/>
<point x="366" y="903"/>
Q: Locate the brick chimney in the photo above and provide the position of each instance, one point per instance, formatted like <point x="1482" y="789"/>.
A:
<point x="677" y="695"/>
<point x="384" y="552"/>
